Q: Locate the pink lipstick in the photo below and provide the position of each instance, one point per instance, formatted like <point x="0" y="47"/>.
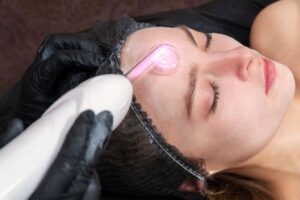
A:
<point x="270" y="74"/>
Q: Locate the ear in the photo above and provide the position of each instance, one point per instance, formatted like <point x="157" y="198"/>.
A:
<point x="192" y="185"/>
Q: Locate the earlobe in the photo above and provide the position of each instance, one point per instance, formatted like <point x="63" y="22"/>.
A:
<point x="192" y="185"/>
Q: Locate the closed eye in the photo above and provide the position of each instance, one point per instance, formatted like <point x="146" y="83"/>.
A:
<point x="215" y="88"/>
<point x="208" y="40"/>
<point x="189" y="97"/>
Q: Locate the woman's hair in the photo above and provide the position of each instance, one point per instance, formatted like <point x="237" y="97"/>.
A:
<point x="224" y="186"/>
<point x="134" y="165"/>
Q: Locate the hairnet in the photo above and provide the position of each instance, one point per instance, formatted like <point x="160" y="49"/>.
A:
<point x="138" y="160"/>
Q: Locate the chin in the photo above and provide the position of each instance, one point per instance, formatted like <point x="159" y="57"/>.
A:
<point x="287" y="81"/>
<point x="283" y="91"/>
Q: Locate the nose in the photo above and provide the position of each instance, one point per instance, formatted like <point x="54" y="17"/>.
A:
<point x="234" y="62"/>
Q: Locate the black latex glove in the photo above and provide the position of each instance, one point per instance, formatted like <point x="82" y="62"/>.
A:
<point x="13" y="129"/>
<point x="63" y="61"/>
<point x="72" y="174"/>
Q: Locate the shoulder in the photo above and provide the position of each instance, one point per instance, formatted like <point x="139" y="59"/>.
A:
<point x="277" y="20"/>
<point x="278" y="24"/>
<point x="276" y="34"/>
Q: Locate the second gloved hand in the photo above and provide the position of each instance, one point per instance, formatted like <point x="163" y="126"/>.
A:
<point x="72" y="176"/>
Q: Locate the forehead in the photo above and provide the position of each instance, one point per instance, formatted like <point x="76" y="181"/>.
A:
<point x="151" y="37"/>
<point x="156" y="35"/>
<point x="139" y="44"/>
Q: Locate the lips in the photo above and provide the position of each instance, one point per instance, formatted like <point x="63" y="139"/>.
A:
<point x="270" y="74"/>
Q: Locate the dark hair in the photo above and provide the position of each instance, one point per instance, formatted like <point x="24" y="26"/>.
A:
<point x="133" y="164"/>
<point x="224" y="186"/>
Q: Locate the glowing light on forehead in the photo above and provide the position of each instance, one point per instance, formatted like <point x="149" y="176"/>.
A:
<point x="163" y="59"/>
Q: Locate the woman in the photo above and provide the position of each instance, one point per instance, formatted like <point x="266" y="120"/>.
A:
<point x="229" y="109"/>
<point x="223" y="129"/>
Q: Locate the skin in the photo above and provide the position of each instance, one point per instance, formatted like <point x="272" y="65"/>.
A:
<point x="249" y="127"/>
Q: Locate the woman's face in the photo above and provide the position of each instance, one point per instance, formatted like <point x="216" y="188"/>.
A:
<point x="215" y="105"/>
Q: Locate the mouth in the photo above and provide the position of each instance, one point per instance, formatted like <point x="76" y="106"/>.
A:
<point x="270" y="74"/>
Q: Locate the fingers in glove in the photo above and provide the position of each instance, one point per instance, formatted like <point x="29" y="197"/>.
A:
<point x="72" y="169"/>
<point x="98" y="140"/>
<point x="66" y="62"/>
<point x="93" y="190"/>
<point x="13" y="129"/>
<point x="66" y="41"/>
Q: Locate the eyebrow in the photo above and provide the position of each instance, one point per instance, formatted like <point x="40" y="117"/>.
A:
<point x="188" y="33"/>
<point x="191" y="89"/>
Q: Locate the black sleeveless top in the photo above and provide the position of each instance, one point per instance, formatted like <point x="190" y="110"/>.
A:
<point x="230" y="17"/>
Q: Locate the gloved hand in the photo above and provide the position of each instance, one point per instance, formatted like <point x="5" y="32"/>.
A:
<point x="62" y="62"/>
<point x="72" y="176"/>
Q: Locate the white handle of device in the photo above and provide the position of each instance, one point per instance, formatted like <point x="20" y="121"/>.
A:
<point x="25" y="160"/>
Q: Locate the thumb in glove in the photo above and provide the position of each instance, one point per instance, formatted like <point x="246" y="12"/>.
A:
<point x="70" y="174"/>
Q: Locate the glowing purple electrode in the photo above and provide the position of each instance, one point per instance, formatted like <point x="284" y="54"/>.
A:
<point x="163" y="59"/>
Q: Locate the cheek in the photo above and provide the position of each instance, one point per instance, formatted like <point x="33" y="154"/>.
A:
<point x="241" y="122"/>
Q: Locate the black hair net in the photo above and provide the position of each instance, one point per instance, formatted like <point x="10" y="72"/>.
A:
<point x="138" y="161"/>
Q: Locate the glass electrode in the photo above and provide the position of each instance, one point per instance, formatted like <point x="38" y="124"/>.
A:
<point x="163" y="59"/>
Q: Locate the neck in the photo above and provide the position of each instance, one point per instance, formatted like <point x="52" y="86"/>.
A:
<point x="278" y="164"/>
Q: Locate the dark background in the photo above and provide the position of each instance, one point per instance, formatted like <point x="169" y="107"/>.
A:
<point x="24" y="24"/>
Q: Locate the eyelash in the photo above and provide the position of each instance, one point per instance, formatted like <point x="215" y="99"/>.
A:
<point x="209" y="38"/>
<point x="215" y="88"/>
